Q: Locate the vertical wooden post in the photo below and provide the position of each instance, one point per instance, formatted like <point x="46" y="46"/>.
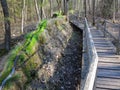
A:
<point x="104" y="28"/>
<point x="98" y="24"/>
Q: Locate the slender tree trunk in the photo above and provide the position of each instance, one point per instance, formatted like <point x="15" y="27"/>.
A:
<point x="7" y="24"/>
<point x="114" y="10"/>
<point x="41" y="10"/>
<point x="65" y="8"/>
<point x="25" y="12"/>
<point x="23" y="16"/>
<point x="89" y="6"/>
<point x="14" y="11"/>
<point x="93" y="12"/>
<point x="31" y="14"/>
<point x="37" y="10"/>
<point x="50" y="8"/>
<point x="44" y="16"/>
<point x="85" y="8"/>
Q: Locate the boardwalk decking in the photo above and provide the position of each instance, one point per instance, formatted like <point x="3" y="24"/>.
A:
<point x="108" y="71"/>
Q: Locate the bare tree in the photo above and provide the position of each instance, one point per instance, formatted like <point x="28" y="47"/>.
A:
<point x="65" y="7"/>
<point x="89" y="2"/>
<point x="41" y="9"/>
<point x="93" y="12"/>
<point x="7" y="24"/>
<point x="37" y="10"/>
<point x="85" y="8"/>
<point x="23" y="16"/>
<point x="114" y="10"/>
<point x="50" y="8"/>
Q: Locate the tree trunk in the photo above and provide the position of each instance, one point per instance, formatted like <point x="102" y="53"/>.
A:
<point x="93" y="12"/>
<point x="114" y="10"/>
<point x="50" y="8"/>
<point x="85" y="8"/>
<point x="65" y="7"/>
<point x="7" y="24"/>
<point x="25" y="12"/>
<point x="37" y="10"/>
<point x="41" y="11"/>
<point x="89" y="6"/>
<point x="23" y="16"/>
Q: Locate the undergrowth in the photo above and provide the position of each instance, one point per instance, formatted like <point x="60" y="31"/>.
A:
<point x="2" y="52"/>
<point x="59" y="14"/>
<point x="11" y="81"/>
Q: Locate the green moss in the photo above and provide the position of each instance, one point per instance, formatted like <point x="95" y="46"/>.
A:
<point x="33" y="38"/>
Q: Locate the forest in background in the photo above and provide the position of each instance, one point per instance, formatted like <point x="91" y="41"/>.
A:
<point x="23" y="13"/>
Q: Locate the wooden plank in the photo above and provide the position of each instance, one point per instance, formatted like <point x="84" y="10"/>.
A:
<point x="101" y="88"/>
<point x="109" y="66"/>
<point x="109" y="48"/>
<point x="111" y="57"/>
<point x="108" y="83"/>
<point x="105" y="51"/>
<point x="108" y="73"/>
<point x="109" y="60"/>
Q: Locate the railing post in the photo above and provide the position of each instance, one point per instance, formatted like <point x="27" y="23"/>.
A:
<point x="98" y="24"/>
<point x="104" y="28"/>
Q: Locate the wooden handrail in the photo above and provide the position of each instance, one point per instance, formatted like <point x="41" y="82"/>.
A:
<point x="93" y="59"/>
<point x="117" y="39"/>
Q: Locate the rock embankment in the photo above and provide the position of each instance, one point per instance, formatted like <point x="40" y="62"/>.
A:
<point x="56" y="62"/>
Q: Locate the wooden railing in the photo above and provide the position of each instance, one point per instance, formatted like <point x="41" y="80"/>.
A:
<point x="111" y="31"/>
<point x="89" y="80"/>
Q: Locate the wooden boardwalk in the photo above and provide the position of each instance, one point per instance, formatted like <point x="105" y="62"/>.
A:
<point x="108" y="70"/>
